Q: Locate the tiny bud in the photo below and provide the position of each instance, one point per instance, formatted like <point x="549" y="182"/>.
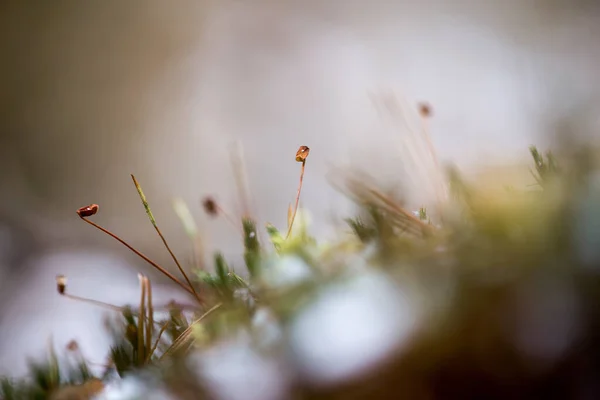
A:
<point x="61" y="284"/>
<point x="425" y="110"/>
<point x="302" y="153"/>
<point x="73" y="345"/>
<point x="88" y="211"/>
<point x="210" y="206"/>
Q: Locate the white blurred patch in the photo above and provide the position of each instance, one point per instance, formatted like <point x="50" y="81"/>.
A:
<point x="233" y="370"/>
<point x="285" y="271"/>
<point x="266" y="328"/>
<point x="350" y="328"/>
<point x="132" y="388"/>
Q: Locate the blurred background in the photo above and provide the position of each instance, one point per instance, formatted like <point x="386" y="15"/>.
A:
<point x="91" y="92"/>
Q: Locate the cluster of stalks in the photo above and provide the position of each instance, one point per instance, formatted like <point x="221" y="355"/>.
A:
<point x="141" y="327"/>
<point x="144" y="333"/>
<point x="484" y="235"/>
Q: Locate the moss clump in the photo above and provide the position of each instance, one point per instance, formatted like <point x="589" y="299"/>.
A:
<point x="494" y="281"/>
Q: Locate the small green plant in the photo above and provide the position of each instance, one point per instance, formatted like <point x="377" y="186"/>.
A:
<point x="479" y="256"/>
<point x="139" y="339"/>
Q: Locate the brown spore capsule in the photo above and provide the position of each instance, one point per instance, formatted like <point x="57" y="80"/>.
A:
<point x="425" y="110"/>
<point x="210" y="206"/>
<point x="73" y="345"/>
<point x="88" y="211"/>
<point x="61" y="284"/>
<point x="302" y="153"/>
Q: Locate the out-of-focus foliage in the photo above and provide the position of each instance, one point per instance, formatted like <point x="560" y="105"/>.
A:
<point x="51" y="376"/>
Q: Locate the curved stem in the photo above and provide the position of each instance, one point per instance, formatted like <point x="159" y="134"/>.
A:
<point x="142" y="256"/>
<point x="297" y="200"/>
<point x="103" y="304"/>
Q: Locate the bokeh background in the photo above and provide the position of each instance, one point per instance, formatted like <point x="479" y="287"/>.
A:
<point x="93" y="91"/>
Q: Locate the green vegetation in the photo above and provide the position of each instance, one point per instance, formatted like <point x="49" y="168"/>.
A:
<point x="489" y="265"/>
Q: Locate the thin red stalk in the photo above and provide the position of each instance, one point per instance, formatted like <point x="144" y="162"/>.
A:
<point x="187" y="279"/>
<point x="439" y="189"/>
<point x="149" y="261"/>
<point x="94" y="302"/>
<point x="297" y="200"/>
<point x="118" y="308"/>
